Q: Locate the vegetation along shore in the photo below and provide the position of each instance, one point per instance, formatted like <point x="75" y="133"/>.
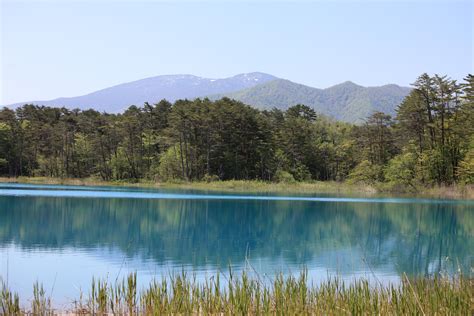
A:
<point x="428" y="144"/>
<point x="250" y="295"/>
<point x="460" y="191"/>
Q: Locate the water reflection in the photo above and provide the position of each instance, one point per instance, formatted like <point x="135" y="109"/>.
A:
<point x="418" y="239"/>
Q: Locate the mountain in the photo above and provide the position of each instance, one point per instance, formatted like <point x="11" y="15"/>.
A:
<point x="171" y="87"/>
<point x="346" y="101"/>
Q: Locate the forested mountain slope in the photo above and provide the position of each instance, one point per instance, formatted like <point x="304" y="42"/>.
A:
<point x="346" y="101"/>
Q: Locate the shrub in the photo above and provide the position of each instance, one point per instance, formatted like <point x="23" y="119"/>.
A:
<point x="366" y="172"/>
<point x="400" y="171"/>
<point x="210" y="178"/>
<point x="283" y="176"/>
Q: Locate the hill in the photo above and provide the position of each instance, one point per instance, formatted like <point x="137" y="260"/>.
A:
<point x="346" y="101"/>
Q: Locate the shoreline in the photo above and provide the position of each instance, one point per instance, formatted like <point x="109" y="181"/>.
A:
<point x="254" y="186"/>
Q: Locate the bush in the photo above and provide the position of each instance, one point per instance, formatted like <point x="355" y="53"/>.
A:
<point x="210" y="178"/>
<point x="283" y="176"/>
<point x="400" y="172"/>
<point x="366" y="172"/>
<point x="301" y="172"/>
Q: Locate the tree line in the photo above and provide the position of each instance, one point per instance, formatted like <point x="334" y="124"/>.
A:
<point x="429" y="141"/>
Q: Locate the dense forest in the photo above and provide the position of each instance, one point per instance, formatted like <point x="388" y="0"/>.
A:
<point x="430" y="141"/>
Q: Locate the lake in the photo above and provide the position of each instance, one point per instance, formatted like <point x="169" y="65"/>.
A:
<point x="65" y="235"/>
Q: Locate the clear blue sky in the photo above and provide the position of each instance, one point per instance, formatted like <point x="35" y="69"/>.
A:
<point x="67" y="48"/>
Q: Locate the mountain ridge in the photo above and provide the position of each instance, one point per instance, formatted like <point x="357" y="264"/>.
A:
<point x="346" y="101"/>
<point x="153" y="89"/>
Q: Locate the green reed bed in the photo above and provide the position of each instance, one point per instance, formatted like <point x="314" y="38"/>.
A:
<point x="182" y="294"/>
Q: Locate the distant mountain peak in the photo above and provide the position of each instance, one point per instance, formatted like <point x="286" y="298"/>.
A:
<point x="153" y="89"/>
<point x="346" y="101"/>
<point x="346" y="84"/>
<point x="255" y="76"/>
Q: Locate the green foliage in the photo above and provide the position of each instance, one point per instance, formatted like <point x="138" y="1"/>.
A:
<point x="400" y="171"/>
<point x="120" y="164"/>
<point x="9" y="301"/>
<point x="48" y="166"/>
<point x="3" y="163"/>
<point x="170" y="167"/>
<point x="179" y="294"/>
<point x="300" y="172"/>
<point x="210" y="178"/>
<point x="228" y="140"/>
<point x="366" y="172"/>
<point x="84" y="159"/>
<point x="376" y="139"/>
<point x="436" y="118"/>
<point x="347" y="102"/>
<point x="41" y="304"/>
<point x="283" y="176"/>
<point x="466" y="168"/>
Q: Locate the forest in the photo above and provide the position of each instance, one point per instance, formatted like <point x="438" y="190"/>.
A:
<point x="429" y="142"/>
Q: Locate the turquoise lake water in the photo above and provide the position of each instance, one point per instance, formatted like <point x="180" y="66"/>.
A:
<point x="64" y="235"/>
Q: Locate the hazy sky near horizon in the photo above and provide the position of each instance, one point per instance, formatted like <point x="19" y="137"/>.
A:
<point x="55" y="48"/>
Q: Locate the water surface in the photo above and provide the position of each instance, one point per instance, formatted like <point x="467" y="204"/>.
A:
<point x="63" y="235"/>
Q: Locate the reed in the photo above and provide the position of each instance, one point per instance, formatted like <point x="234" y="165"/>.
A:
<point x="246" y="294"/>
<point x="257" y="186"/>
<point x="41" y="304"/>
<point x="9" y="301"/>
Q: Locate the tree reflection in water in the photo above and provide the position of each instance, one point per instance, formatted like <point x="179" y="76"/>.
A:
<point x="418" y="239"/>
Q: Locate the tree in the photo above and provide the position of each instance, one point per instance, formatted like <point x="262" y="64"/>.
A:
<point x="131" y="129"/>
<point x="412" y="120"/>
<point x="170" y="165"/>
<point x="365" y="172"/>
<point x="400" y="171"/>
<point x="429" y="142"/>
<point x="375" y="141"/>
<point x="437" y="117"/>
<point x="295" y="139"/>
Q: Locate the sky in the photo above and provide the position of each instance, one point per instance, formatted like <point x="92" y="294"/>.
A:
<point x="52" y="48"/>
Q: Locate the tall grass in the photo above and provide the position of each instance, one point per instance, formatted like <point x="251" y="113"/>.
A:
<point x="9" y="301"/>
<point x="182" y="294"/>
<point x="41" y="304"/>
<point x="258" y="186"/>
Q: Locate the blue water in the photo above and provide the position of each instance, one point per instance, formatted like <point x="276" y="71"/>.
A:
<point x="64" y="235"/>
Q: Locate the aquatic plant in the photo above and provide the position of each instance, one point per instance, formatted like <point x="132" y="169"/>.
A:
<point x="250" y="294"/>
<point x="9" y="301"/>
<point x="41" y="304"/>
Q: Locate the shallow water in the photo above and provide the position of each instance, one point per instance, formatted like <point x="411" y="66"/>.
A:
<point x="63" y="235"/>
